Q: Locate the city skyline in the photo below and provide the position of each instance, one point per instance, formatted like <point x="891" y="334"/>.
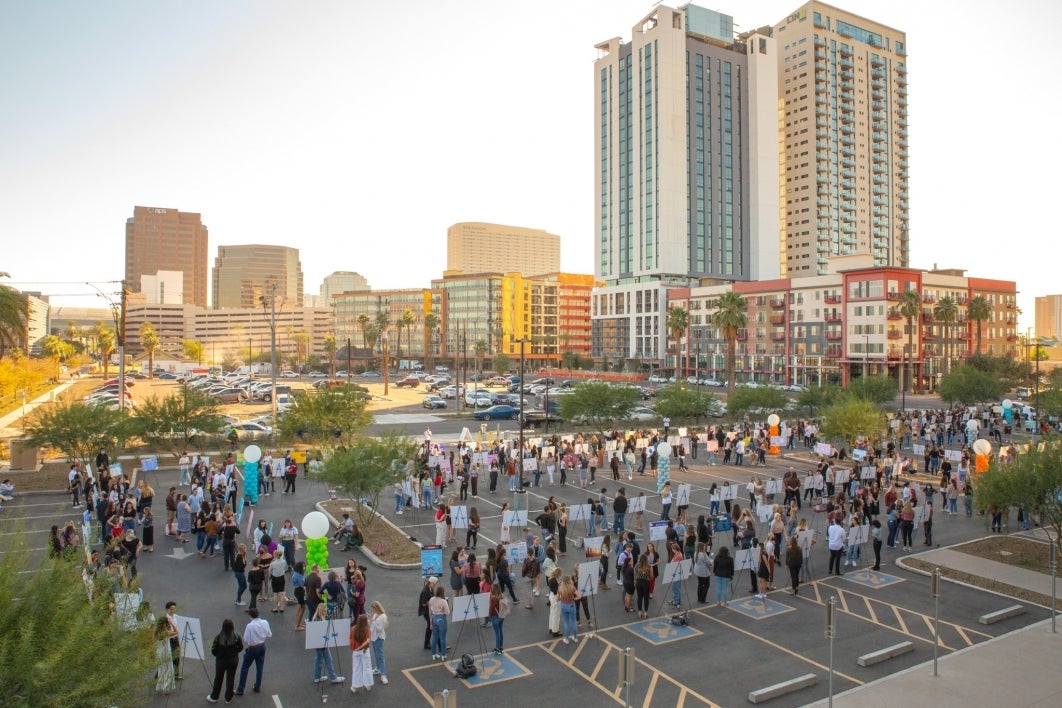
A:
<point x="110" y="110"/>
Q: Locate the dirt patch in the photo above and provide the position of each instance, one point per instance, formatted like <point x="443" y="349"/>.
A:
<point x="1012" y="550"/>
<point x="50" y="478"/>
<point x="385" y="541"/>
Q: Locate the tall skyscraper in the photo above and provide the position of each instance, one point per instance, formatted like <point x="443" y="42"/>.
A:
<point x="476" y="247"/>
<point x="686" y="169"/>
<point x="842" y="81"/>
<point x="158" y="239"/>
<point x="242" y="274"/>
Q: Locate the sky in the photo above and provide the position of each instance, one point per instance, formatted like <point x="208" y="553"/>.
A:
<point x="359" y="132"/>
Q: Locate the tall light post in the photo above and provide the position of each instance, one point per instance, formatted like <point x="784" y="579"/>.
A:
<point x="520" y="448"/>
<point x="866" y="356"/>
<point x="272" y="350"/>
<point x="386" y="339"/>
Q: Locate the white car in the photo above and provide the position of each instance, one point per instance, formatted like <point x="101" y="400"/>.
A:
<point x="284" y="401"/>
<point x="657" y="379"/>
<point x="448" y="392"/>
<point x="641" y="413"/>
<point x="288" y="374"/>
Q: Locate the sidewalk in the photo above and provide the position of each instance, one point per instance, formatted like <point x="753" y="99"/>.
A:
<point x="9" y="420"/>
<point x="1018" y="669"/>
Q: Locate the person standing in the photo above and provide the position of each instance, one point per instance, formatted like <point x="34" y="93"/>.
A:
<point x="255" y="581"/>
<point x="323" y="670"/>
<point x="239" y="571"/>
<point x="794" y="560"/>
<point x="438" y="610"/>
<point x="703" y="570"/>
<point x="361" y="664"/>
<point x="723" y="570"/>
<point x="619" y="511"/>
<point x="226" y="649"/>
<point x="426" y="594"/>
<point x="254" y="637"/>
<point x="291" y="471"/>
<point x="378" y="624"/>
<point x="566" y="595"/>
<point x="835" y="541"/>
<point x="163" y="655"/>
<point x="313" y="585"/>
<point x="499" y="610"/>
<point x="74" y="484"/>
<point x="875" y="536"/>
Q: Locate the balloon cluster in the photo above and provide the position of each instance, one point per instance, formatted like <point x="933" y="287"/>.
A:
<point x="315" y="528"/>
<point x="663" y="465"/>
<point x="983" y="449"/>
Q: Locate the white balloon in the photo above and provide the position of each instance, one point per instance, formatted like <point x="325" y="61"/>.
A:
<point x="252" y="453"/>
<point x="773" y="419"/>
<point x="315" y="525"/>
<point x="663" y="449"/>
<point x="1007" y="403"/>
<point x="982" y="447"/>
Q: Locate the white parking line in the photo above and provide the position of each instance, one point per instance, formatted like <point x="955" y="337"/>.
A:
<point x="276" y="701"/>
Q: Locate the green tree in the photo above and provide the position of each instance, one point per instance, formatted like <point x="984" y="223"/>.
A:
<point x="330" y="352"/>
<point x="678" y="320"/>
<point x="1050" y="403"/>
<point x="407" y="320"/>
<point x="480" y="350"/>
<point x="57" y="349"/>
<point x="501" y="363"/>
<point x="107" y="343"/>
<point x="170" y="423"/>
<point x="431" y="323"/>
<point x="876" y="389"/>
<point x="680" y="402"/>
<point x="946" y="312"/>
<point x="1032" y="482"/>
<point x="76" y="430"/>
<point x="979" y="310"/>
<point x="730" y="317"/>
<point x="302" y="348"/>
<point x="968" y="385"/>
<point x="1009" y="371"/>
<point x="149" y="339"/>
<point x="816" y="398"/>
<point x="89" y="658"/>
<point x="849" y="417"/>
<point x="599" y="404"/>
<point x="192" y="350"/>
<point x="910" y="308"/>
<point x="326" y="419"/>
<point x="368" y="467"/>
<point x="756" y="400"/>
<point x="14" y="312"/>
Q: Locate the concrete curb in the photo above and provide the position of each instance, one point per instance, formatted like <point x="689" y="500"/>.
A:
<point x="369" y="554"/>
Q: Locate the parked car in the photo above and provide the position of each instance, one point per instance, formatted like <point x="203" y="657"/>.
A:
<point x="249" y="430"/>
<point x="451" y="391"/>
<point x="478" y="399"/>
<point x="230" y="395"/>
<point x="288" y="374"/>
<point x="536" y="417"/>
<point x="343" y="374"/>
<point x="657" y="379"/>
<point x="371" y="374"/>
<point x="496" y="381"/>
<point x="284" y="402"/>
<point x="641" y="413"/>
<point x="408" y="382"/>
<point x="433" y="402"/>
<point x="478" y="377"/>
<point x="497" y="413"/>
<point x="318" y="375"/>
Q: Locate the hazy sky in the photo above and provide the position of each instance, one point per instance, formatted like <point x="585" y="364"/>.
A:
<point x="358" y="132"/>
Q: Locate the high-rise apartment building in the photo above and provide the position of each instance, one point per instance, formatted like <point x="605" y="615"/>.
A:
<point x="476" y="247"/>
<point x="158" y="239"/>
<point x="842" y="86"/>
<point x="244" y="273"/>
<point x="1048" y="316"/>
<point x="686" y="164"/>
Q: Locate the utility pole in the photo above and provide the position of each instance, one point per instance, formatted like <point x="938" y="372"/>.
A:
<point x="120" y="335"/>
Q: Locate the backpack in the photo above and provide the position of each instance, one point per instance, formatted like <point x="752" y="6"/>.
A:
<point x="467" y="667"/>
<point x="504" y="607"/>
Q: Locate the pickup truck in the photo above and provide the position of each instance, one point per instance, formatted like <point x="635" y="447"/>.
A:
<point x="534" y="418"/>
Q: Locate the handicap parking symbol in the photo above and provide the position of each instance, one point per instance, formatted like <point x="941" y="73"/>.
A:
<point x="494" y="668"/>
<point x="872" y="578"/>
<point x="759" y="609"/>
<point x="661" y="631"/>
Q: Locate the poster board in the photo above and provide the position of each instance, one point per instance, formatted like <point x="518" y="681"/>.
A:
<point x="588" y="580"/>
<point x="722" y="523"/>
<point x="773" y="486"/>
<point x="516" y="553"/>
<point x="149" y="464"/>
<point x="468" y="607"/>
<point x="190" y="634"/>
<point x="635" y="504"/>
<point x="431" y="561"/>
<point x="746" y="559"/>
<point x="658" y="530"/>
<point x="728" y="492"/>
<point x="683" y="497"/>
<point x="858" y="534"/>
<point x="592" y="546"/>
<point x="868" y="473"/>
<point x="805" y="539"/>
<point x="676" y="571"/>
<point x="328" y="633"/>
<point x="823" y="449"/>
<point x="459" y="517"/>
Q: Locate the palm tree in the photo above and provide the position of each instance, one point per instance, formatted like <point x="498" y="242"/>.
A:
<point x="149" y="339"/>
<point x="107" y="344"/>
<point x="481" y="350"/>
<point x="730" y="317"/>
<point x="946" y="312"/>
<point x="14" y="312"/>
<point x="57" y="349"/>
<point x="677" y="322"/>
<point x="910" y="308"/>
<point x="979" y="311"/>
<point x="330" y="350"/>
<point x="431" y="323"/>
<point x="407" y="320"/>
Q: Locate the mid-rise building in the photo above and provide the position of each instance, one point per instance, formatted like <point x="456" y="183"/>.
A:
<point x="246" y="273"/>
<point x="477" y="247"/>
<point x="359" y="315"/>
<point x="37" y="323"/>
<point x="842" y="86"/>
<point x="165" y="287"/>
<point x="686" y="170"/>
<point x="846" y="324"/>
<point x="164" y="239"/>
<point x="341" y="281"/>
<point x="1048" y="316"/>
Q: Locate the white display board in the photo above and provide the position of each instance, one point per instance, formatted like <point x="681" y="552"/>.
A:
<point x="328" y="633"/>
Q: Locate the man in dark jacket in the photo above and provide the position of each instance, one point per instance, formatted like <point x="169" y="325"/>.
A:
<point x="426" y="593"/>
<point x="619" y="511"/>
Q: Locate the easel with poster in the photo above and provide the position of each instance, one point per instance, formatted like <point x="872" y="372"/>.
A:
<point x="744" y="559"/>
<point x="677" y="572"/>
<point x="470" y="607"/>
<point x="588" y="585"/>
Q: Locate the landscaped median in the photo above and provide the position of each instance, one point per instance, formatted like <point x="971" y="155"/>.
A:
<point x="386" y="545"/>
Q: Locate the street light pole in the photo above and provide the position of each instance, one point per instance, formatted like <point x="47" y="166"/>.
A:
<point x="386" y="361"/>
<point x="520" y="448"/>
